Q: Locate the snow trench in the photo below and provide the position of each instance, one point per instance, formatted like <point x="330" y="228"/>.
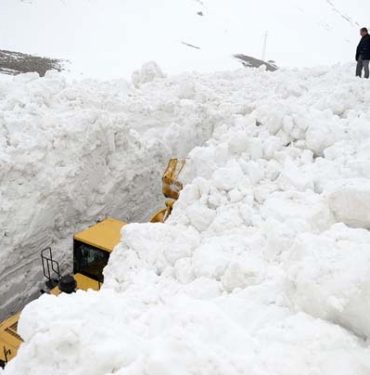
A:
<point x="264" y="264"/>
<point x="73" y="153"/>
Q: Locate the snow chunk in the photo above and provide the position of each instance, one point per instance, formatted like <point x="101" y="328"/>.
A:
<point x="161" y="247"/>
<point x="291" y="178"/>
<point x="328" y="277"/>
<point x="200" y="216"/>
<point x="228" y="178"/>
<point x="148" y="73"/>
<point x="308" y="208"/>
<point x="350" y="202"/>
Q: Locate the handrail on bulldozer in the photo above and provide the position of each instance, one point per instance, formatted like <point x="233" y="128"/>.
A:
<point x="50" y="268"/>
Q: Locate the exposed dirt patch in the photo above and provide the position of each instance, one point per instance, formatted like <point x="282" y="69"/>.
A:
<point x="252" y="62"/>
<point x="15" y="63"/>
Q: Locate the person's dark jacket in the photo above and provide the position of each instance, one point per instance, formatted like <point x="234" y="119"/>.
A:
<point x="363" y="48"/>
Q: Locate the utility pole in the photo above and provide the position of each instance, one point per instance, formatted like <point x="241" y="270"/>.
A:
<point x="264" y="47"/>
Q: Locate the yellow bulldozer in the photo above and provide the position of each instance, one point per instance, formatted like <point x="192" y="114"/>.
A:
<point x="91" y="250"/>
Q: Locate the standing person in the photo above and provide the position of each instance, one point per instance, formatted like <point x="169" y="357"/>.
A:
<point x="363" y="53"/>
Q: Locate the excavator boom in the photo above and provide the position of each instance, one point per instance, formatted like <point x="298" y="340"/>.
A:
<point x="171" y="187"/>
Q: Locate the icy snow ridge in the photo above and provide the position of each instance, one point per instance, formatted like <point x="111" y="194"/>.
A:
<point x="264" y="265"/>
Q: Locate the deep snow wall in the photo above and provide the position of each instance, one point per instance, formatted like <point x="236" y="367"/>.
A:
<point x="71" y="154"/>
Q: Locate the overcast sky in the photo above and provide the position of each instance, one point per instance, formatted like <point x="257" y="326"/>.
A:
<point x="111" y="38"/>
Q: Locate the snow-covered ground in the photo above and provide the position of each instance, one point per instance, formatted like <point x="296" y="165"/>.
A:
<point x="264" y="265"/>
<point x="111" y="38"/>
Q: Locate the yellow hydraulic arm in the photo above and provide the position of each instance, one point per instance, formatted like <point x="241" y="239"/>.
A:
<point x="171" y="188"/>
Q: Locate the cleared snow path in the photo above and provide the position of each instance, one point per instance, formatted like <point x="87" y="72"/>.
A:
<point x="264" y="265"/>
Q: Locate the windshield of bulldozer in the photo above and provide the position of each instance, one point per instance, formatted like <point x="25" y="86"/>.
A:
<point x="89" y="261"/>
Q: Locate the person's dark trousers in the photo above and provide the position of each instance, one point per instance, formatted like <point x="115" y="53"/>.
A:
<point x="362" y="64"/>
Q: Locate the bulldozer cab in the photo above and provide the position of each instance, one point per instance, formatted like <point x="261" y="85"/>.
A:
<point x="92" y="247"/>
<point x="91" y="250"/>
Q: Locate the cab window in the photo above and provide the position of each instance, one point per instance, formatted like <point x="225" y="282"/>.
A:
<point x="89" y="261"/>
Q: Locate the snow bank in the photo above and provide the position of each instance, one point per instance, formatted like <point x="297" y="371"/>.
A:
<point x="156" y="335"/>
<point x="254" y="273"/>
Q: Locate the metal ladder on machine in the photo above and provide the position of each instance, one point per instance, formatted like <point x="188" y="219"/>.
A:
<point x="50" y="268"/>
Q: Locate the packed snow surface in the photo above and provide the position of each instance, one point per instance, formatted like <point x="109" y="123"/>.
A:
<point x="111" y="38"/>
<point x="264" y="265"/>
